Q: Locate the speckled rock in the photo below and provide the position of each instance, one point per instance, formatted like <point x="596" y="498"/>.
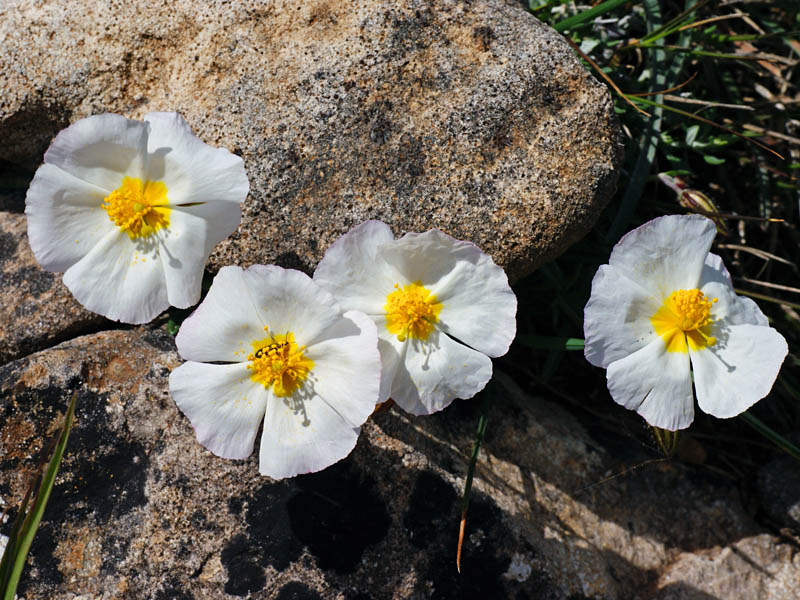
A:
<point x="753" y="567"/>
<point x="38" y="310"/>
<point x="468" y="116"/>
<point x="141" y="511"/>
<point x="779" y="490"/>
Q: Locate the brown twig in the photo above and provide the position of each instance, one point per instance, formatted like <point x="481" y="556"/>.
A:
<point x="667" y="91"/>
<point x="604" y="76"/>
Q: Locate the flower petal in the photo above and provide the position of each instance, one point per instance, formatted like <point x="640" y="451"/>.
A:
<point x="225" y="324"/>
<point x="101" y="150"/>
<point x="738" y="370"/>
<point x="224" y="406"/>
<point x="183" y="258"/>
<point x="616" y="320"/>
<point x="192" y="170"/>
<point x="65" y="217"/>
<point x="303" y="435"/>
<point x="665" y="254"/>
<point x="220" y="220"/>
<point x="289" y="300"/>
<point x="352" y="271"/>
<point x="730" y="309"/>
<point x="479" y="307"/>
<point x="714" y="270"/>
<point x="392" y="354"/>
<point x="347" y="367"/>
<point x="435" y="373"/>
<point x="120" y="279"/>
<point x="656" y="384"/>
<point x="187" y="243"/>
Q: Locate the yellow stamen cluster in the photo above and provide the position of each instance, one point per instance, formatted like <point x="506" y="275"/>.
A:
<point x="411" y="311"/>
<point x="138" y="208"/>
<point x="278" y="362"/>
<point x="684" y="321"/>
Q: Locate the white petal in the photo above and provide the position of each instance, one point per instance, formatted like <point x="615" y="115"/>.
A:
<point x="731" y="309"/>
<point x="435" y="373"/>
<point x="392" y="354"/>
<point x="289" y="300"/>
<point x="347" y="367"/>
<point x="665" y="254"/>
<point x="479" y="307"/>
<point x="192" y="170"/>
<point x="220" y="220"/>
<point x="101" y="150"/>
<point x="223" y="404"/>
<point x="303" y="435"/>
<point x="656" y="384"/>
<point x="120" y="279"/>
<point x="65" y="217"/>
<point x="352" y="271"/>
<point x="183" y="258"/>
<point x="428" y="256"/>
<point x="714" y="270"/>
<point x="738" y="370"/>
<point x="616" y="320"/>
<point x="186" y="244"/>
<point x="225" y="324"/>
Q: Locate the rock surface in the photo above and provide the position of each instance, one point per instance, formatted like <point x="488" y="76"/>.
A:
<point x="38" y="309"/>
<point x="140" y="510"/>
<point x="779" y="490"/>
<point x="468" y="116"/>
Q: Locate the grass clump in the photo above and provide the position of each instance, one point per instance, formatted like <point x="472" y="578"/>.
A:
<point x="708" y="103"/>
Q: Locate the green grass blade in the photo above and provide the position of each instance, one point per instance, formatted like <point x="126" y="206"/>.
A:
<point x="699" y="52"/>
<point x="34" y="517"/>
<point x="748" y="37"/>
<point x="695" y="117"/>
<point x="649" y="139"/>
<point x="546" y="342"/>
<point x="773" y="436"/>
<point x="13" y="539"/>
<point x="673" y="24"/>
<point x="587" y="15"/>
<point x="666" y="71"/>
<point x="470" y="472"/>
<point x="647" y="147"/>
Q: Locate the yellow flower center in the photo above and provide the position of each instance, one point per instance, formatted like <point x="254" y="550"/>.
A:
<point x="278" y="362"/>
<point x="684" y="321"/>
<point x="138" y="208"/>
<point x="411" y="311"/>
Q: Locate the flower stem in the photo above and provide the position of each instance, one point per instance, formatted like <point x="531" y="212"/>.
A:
<point x="470" y="472"/>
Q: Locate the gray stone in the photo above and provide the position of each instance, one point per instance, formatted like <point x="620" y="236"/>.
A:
<point x="468" y="116"/>
<point x="471" y="117"/>
<point x="38" y="310"/>
<point x="140" y="510"/>
<point x="779" y="490"/>
<point x="753" y="567"/>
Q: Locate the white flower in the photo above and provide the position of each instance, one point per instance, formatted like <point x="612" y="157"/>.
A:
<point x="440" y="304"/>
<point x="291" y="359"/>
<point x="664" y="303"/>
<point x="130" y="211"/>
